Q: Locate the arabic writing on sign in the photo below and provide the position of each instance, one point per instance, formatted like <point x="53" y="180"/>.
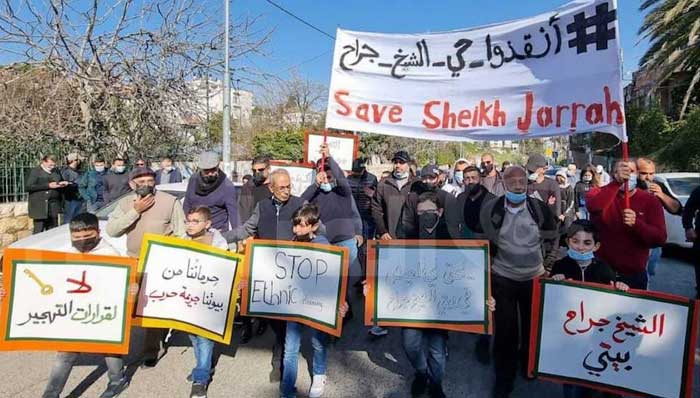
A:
<point x="206" y="299"/>
<point x="613" y="333"/>
<point x="93" y="314"/>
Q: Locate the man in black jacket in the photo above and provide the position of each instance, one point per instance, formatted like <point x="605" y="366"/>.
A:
<point x="390" y="197"/>
<point x="256" y="189"/>
<point x="518" y="227"/>
<point x="44" y="185"/>
<point x="691" y="214"/>
<point x="363" y="185"/>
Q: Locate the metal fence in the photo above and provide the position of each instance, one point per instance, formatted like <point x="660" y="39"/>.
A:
<point x="16" y="161"/>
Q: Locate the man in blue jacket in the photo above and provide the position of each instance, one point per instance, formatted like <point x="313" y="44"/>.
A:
<point x="168" y="174"/>
<point x="92" y="185"/>
<point x="210" y="187"/>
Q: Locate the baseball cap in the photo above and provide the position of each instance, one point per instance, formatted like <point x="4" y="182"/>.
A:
<point x="535" y="161"/>
<point x="358" y="165"/>
<point x="429" y="170"/>
<point x="401" y="155"/>
<point x="208" y="160"/>
<point x="141" y="172"/>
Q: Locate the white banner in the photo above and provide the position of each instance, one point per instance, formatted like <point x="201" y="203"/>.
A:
<point x="342" y="147"/>
<point x="627" y="343"/>
<point x="301" y="176"/>
<point x="554" y="74"/>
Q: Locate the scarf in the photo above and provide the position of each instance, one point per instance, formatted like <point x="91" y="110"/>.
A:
<point x="204" y="189"/>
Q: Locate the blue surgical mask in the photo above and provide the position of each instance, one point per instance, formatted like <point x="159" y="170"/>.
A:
<point x="578" y="256"/>
<point x="533" y="177"/>
<point x="326" y="187"/>
<point x="632" y="183"/>
<point x="400" y="176"/>
<point x="516" y="198"/>
<point x="459" y="177"/>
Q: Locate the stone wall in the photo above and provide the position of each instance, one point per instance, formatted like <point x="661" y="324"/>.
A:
<point x="15" y="223"/>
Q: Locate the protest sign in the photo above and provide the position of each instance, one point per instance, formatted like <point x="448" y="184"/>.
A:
<point x="302" y="175"/>
<point x="187" y="286"/>
<point x="294" y="281"/>
<point x="557" y="73"/>
<point x="342" y="147"/>
<point x="66" y="302"/>
<point x="429" y="284"/>
<point x="636" y="343"/>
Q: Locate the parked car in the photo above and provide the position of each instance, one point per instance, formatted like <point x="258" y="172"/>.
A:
<point x="58" y="239"/>
<point x="680" y="185"/>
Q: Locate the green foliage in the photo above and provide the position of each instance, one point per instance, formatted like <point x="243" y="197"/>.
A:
<point x="284" y="145"/>
<point x="647" y="130"/>
<point x="683" y="154"/>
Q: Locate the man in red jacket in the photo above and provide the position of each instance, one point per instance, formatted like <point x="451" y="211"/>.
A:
<point x="627" y="235"/>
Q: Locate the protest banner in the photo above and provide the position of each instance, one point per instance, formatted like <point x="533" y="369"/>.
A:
<point x="66" y="302"/>
<point x="301" y="175"/>
<point x="187" y="286"/>
<point x="557" y="73"/>
<point x="342" y="147"/>
<point x="295" y="281"/>
<point x="439" y="284"/>
<point x="637" y="343"/>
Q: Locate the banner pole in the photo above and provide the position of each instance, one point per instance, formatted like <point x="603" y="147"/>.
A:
<point x="323" y="157"/>
<point x="626" y="158"/>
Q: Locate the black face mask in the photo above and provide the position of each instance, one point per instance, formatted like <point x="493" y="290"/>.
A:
<point x="303" y="238"/>
<point x="145" y="190"/>
<point x="209" y="179"/>
<point x="427" y="223"/>
<point x="486" y="168"/>
<point x="642" y="185"/>
<point x="473" y="187"/>
<point x="259" y="178"/>
<point x="86" y="245"/>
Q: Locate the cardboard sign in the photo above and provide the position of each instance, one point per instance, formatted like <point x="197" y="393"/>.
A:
<point x="342" y="147"/>
<point x="429" y="284"/>
<point x="636" y="343"/>
<point x="66" y="302"/>
<point x="302" y="175"/>
<point x="294" y="281"/>
<point x="187" y="286"/>
<point x="557" y="73"/>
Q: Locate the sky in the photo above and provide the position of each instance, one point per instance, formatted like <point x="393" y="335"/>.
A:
<point x="295" y="46"/>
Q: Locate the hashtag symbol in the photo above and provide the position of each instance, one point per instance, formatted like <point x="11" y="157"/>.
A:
<point x="602" y="33"/>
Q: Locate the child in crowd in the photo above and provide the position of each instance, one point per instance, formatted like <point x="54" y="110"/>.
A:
<point x="305" y="222"/>
<point x="199" y="229"/>
<point x="580" y="264"/>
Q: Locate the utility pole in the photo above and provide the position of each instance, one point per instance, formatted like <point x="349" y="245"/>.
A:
<point x="226" y="144"/>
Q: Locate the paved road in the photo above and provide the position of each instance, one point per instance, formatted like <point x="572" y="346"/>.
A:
<point x="359" y="366"/>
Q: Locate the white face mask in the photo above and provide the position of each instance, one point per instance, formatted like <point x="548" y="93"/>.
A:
<point x="99" y="169"/>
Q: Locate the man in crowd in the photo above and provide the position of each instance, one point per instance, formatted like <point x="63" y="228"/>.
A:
<point x="140" y="163"/>
<point x="146" y="210"/>
<point x="572" y="174"/>
<point x="491" y="177"/>
<point x="518" y="226"/>
<point x="363" y="185"/>
<point x="429" y="182"/>
<point x="627" y="234"/>
<point x="272" y="219"/>
<point x="646" y="174"/>
<point x="456" y="187"/>
<point x="540" y="187"/>
<point x="391" y="195"/>
<point x="71" y="173"/>
<point x="257" y="189"/>
<point x="603" y="176"/>
<point x="168" y="173"/>
<point x="116" y="182"/>
<point x="44" y="185"/>
<point x="691" y="215"/>
<point x="210" y="187"/>
<point x="92" y="186"/>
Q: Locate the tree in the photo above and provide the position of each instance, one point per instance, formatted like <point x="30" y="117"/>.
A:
<point x="648" y="130"/>
<point x="286" y="144"/>
<point x="673" y="28"/>
<point x="683" y="153"/>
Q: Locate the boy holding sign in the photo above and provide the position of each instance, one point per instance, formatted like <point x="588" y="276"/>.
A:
<point x="199" y="230"/>
<point x="306" y="221"/>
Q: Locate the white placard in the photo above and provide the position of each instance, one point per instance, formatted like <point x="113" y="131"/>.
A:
<point x="342" y="149"/>
<point x="632" y="343"/>
<point x="424" y="283"/>
<point x="301" y="176"/>
<point x="557" y="73"/>
<point x="76" y="302"/>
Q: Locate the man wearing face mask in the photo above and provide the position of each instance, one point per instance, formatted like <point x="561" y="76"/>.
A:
<point x="363" y="185"/>
<point x="146" y="210"/>
<point x="44" y="185"/>
<point x="428" y="183"/>
<point x="491" y="178"/>
<point x="627" y="234"/>
<point x="168" y="174"/>
<point x="464" y="218"/>
<point x="456" y="187"/>
<point x="257" y="189"/>
<point x="391" y="195"/>
<point x="92" y="185"/>
<point x="540" y="187"/>
<point x="210" y="187"/>
<point x="116" y="181"/>
<point x="521" y="231"/>
<point x="72" y="174"/>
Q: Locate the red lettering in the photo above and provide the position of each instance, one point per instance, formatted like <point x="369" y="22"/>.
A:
<point x="613" y="106"/>
<point x="560" y="108"/>
<point x="484" y="114"/>
<point x="378" y="112"/>
<point x="524" y="124"/>
<point x="448" y="119"/>
<point x="347" y="110"/>
<point x="574" y="114"/>
<point x="463" y="118"/>
<point x="430" y="121"/>
<point x="362" y="112"/>
<point x="499" y="116"/>
<point x="395" y="113"/>
<point x="544" y="116"/>
<point x="594" y="113"/>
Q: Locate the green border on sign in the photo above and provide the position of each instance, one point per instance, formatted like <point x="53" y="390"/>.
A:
<point x="485" y="322"/>
<point x="12" y="298"/>
<point x="313" y="249"/>
<point x="151" y="243"/>
<point x="690" y="305"/>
